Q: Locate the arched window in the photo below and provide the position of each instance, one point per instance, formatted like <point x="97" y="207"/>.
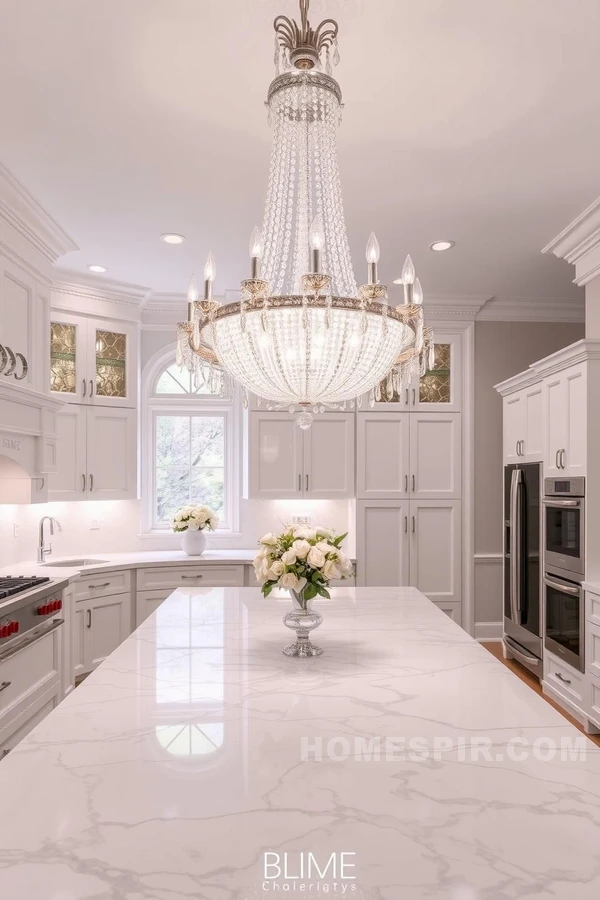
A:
<point x="190" y="449"/>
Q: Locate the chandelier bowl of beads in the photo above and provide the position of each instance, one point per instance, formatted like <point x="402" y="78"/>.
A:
<point x="303" y="335"/>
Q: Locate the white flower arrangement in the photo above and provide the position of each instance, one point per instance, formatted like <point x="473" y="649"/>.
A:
<point x="195" y="518"/>
<point x="301" y="559"/>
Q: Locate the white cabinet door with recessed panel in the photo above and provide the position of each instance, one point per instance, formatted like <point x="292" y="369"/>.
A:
<point x="275" y="456"/>
<point x="111" y="453"/>
<point x="440" y="389"/>
<point x="514" y="420"/>
<point x="435" y="549"/>
<point x="382" y="455"/>
<point x="329" y="457"/>
<point x="435" y="455"/>
<point x="382" y="543"/>
<point x="69" y="481"/>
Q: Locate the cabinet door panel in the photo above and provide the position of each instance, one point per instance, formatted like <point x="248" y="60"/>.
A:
<point x="17" y="318"/>
<point x="440" y="389"/>
<point x="435" y="455"/>
<point x="113" y="353"/>
<point x="435" y="549"/>
<point x="69" y="481"/>
<point x="108" y="623"/>
<point x="534" y="422"/>
<point x="68" y="358"/>
<point x="382" y="543"/>
<point x="111" y="453"/>
<point x="80" y="619"/>
<point x="276" y="464"/>
<point x="382" y="450"/>
<point x="576" y="425"/>
<point x="329" y="456"/>
<point x="556" y="418"/>
<point x="514" y="426"/>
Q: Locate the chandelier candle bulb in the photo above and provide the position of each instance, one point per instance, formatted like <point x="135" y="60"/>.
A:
<point x="408" y="279"/>
<point x="210" y="271"/>
<point x="317" y="242"/>
<point x="417" y="293"/>
<point x="192" y="296"/>
<point x="256" y="251"/>
<point x="373" y="254"/>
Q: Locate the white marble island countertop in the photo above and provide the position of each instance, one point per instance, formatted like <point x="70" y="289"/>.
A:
<point x="178" y="765"/>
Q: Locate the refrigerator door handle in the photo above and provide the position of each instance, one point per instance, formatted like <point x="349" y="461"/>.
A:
<point x="515" y="546"/>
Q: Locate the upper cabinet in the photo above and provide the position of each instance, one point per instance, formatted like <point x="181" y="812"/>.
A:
<point x="438" y="390"/>
<point x="566" y="397"/>
<point x="524" y="425"/>
<point x="287" y="462"/>
<point x="93" y="361"/>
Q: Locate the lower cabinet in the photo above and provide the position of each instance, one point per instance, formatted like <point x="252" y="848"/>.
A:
<point x="415" y="543"/>
<point x="147" y="602"/>
<point x="26" y="721"/>
<point x="100" y="624"/>
<point x="156" y="583"/>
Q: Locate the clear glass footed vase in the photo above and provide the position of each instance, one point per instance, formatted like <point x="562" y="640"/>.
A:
<point x="302" y="619"/>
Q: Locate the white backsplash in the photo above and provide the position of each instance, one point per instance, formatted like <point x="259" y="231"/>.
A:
<point x="119" y="530"/>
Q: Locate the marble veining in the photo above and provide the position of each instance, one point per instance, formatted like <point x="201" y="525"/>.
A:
<point x="178" y="764"/>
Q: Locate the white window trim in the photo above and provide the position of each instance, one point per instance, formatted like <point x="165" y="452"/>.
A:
<point x="180" y="404"/>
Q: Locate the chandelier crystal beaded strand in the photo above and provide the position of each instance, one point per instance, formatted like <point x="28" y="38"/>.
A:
<point x="303" y="336"/>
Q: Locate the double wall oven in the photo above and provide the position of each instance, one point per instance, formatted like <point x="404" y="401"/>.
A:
<point x="564" y="568"/>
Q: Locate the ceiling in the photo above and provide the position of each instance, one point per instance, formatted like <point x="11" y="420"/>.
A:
<point x="465" y="119"/>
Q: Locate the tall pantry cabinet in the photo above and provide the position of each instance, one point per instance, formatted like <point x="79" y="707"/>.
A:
<point x="409" y="483"/>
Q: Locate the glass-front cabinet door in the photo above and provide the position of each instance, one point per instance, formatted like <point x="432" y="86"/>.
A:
<point x="438" y="390"/>
<point x="92" y="362"/>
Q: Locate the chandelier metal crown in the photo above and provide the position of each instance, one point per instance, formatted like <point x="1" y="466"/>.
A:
<point x="302" y="335"/>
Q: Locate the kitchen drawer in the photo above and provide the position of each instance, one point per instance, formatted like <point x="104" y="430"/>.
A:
<point x="594" y="700"/>
<point x="103" y="584"/>
<point x="19" y="726"/>
<point x="592" y="649"/>
<point x="172" y="577"/>
<point x="30" y="672"/>
<point x="592" y="608"/>
<point x="566" y="681"/>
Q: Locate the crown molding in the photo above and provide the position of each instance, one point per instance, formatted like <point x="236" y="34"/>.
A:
<point x="581" y="351"/>
<point x="532" y="309"/>
<point x="27" y="217"/>
<point x="92" y="287"/>
<point x="579" y="244"/>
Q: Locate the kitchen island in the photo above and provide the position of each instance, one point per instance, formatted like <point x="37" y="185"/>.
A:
<point x="406" y="759"/>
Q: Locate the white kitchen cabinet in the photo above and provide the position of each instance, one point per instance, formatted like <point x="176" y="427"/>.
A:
<point x="68" y="678"/>
<point x="566" y="395"/>
<point x="287" y="462"/>
<point x="382" y="543"/>
<point x="435" y="455"/>
<point x="101" y="624"/>
<point x="96" y="456"/>
<point x="523" y="418"/>
<point x="22" y="317"/>
<point x="147" y="602"/>
<point x="93" y="361"/>
<point x="435" y="549"/>
<point x="328" y="453"/>
<point x="382" y="455"/>
<point x="23" y="723"/>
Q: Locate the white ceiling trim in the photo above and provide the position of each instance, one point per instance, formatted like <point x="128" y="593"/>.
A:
<point x="579" y="244"/>
<point x="530" y="309"/>
<point x="23" y="213"/>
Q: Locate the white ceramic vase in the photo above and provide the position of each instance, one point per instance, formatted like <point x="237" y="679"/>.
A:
<point x="193" y="542"/>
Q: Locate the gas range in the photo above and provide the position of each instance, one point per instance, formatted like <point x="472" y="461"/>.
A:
<point x="26" y="603"/>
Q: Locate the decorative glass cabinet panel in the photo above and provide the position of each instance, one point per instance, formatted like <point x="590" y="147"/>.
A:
<point x="111" y="359"/>
<point x="63" y="358"/>
<point x="435" y="385"/>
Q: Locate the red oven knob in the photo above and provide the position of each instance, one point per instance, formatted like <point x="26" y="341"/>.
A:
<point x="13" y="627"/>
<point x="4" y="631"/>
<point x="43" y="610"/>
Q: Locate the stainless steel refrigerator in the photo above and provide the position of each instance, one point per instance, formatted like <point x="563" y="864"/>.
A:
<point x="522" y="562"/>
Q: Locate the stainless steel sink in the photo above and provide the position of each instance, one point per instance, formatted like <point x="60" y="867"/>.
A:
<point x="73" y="563"/>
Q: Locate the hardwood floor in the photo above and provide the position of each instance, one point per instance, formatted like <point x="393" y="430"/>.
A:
<point x="495" y="648"/>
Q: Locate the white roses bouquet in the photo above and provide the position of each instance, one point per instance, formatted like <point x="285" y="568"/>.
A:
<point x="301" y="559"/>
<point x="194" y="518"/>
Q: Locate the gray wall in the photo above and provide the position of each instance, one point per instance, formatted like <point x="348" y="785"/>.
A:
<point x="502" y="349"/>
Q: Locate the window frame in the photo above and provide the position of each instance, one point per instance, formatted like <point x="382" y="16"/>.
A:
<point x="154" y="405"/>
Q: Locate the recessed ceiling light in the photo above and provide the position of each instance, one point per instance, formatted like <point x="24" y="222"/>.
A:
<point x="97" y="268"/>
<point x="440" y="246"/>
<point x="172" y="238"/>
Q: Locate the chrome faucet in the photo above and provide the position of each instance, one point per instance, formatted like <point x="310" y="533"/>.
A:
<point x="44" y="551"/>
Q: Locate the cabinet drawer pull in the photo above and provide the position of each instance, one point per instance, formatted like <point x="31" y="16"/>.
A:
<point x="89" y="621"/>
<point x="97" y="587"/>
<point x="307" y="482"/>
<point x="190" y="577"/>
<point x="84" y="388"/>
<point x="405" y="524"/>
<point x="299" y="482"/>
<point x="563" y="453"/>
<point x="91" y="482"/>
<point x="556" y="462"/>
<point x="413" y="484"/>
<point x="562" y="678"/>
<point x="406" y="484"/>
<point x="83" y="483"/>
<point x="4" y="685"/>
<point x="407" y="396"/>
<point x="91" y="388"/>
<point x="414" y="397"/>
<point x="414" y="525"/>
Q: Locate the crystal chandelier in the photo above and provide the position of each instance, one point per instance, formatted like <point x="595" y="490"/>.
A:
<point x="302" y="335"/>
